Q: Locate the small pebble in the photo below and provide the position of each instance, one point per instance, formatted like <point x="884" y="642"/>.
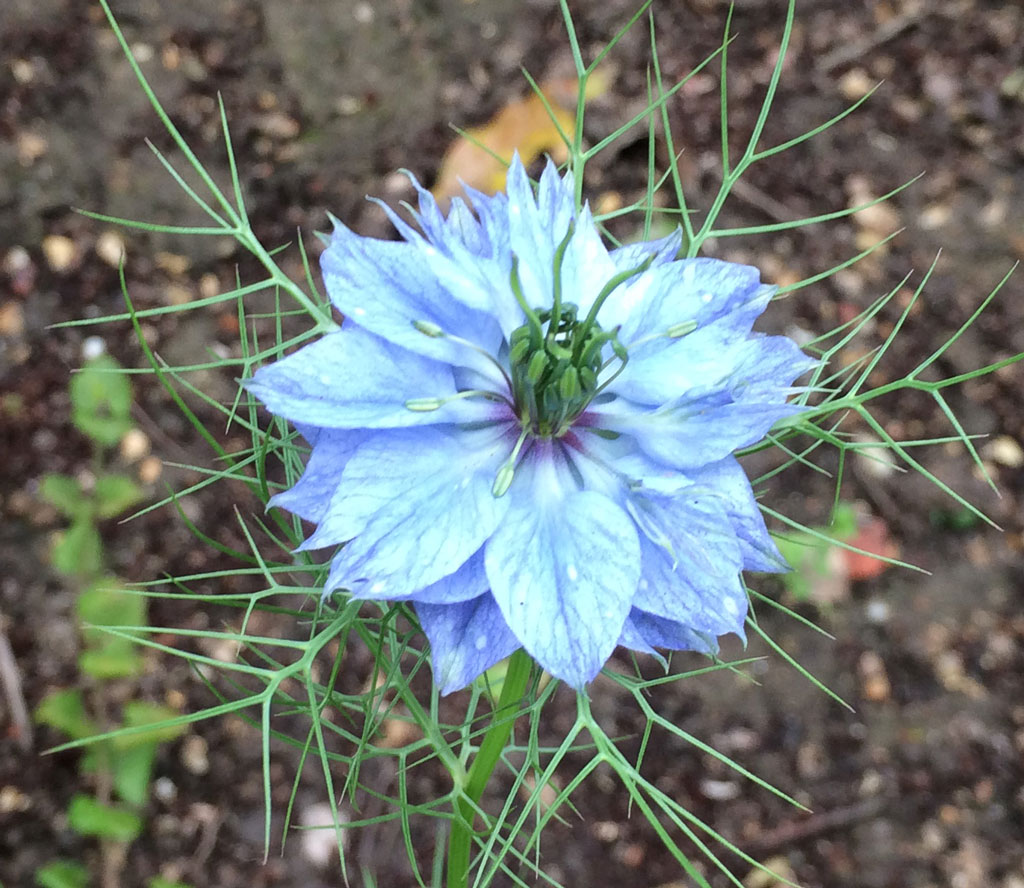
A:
<point x="164" y="789"/>
<point x="110" y="248"/>
<point x="719" y="790"/>
<point x="320" y="845"/>
<point x="1005" y="451"/>
<point x="172" y="263"/>
<point x="874" y="680"/>
<point x="12" y="320"/>
<point x="61" y="252"/>
<point x="30" y="147"/>
<point x="13" y="800"/>
<point x="134" y="445"/>
<point x="93" y="347"/>
<point x="606" y="830"/>
<point x="856" y="83"/>
<point x="878" y="610"/>
<point x="194" y="755"/>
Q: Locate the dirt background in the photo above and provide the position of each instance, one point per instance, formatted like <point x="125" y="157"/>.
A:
<point x="922" y="785"/>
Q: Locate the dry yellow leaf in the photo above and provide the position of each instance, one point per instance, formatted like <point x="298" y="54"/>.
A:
<point x="524" y="125"/>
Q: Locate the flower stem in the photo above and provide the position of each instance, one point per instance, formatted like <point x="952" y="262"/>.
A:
<point x="460" y="842"/>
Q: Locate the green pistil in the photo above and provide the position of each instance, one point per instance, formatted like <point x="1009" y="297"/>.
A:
<point x="556" y="360"/>
<point x="553" y="380"/>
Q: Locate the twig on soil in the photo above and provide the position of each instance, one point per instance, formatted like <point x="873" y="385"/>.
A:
<point x="12" y="689"/>
<point x="885" y="32"/>
<point x="792" y="831"/>
<point x="210" y="819"/>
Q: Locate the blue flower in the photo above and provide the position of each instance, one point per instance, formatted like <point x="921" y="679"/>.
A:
<point x="529" y="436"/>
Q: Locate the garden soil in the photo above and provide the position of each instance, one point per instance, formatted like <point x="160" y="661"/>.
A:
<point x="919" y="785"/>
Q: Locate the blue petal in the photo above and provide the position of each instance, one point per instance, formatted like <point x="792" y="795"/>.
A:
<point x="691" y="560"/>
<point x="632" y="255"/>
<point x="715" y="356"/>
<point x="719" y="416"/>
<point x="352" y="379"/>
<point x="699" y="290"/>
<point x="466" y="639"/>
<point x="691" y="434"/>
<point x="563" y="568"/>
<point x="727" y="480"/>
<point x="469" y="581"/>
<point x="644" y="632"/>
<point x="387" y="286"/>
<point x="537" y="227"/>
<point x="311" y="495"/>
<point x="711" y="600"/>
<point x="423" y="498"/>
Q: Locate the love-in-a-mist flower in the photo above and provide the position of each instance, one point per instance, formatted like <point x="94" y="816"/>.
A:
<point x="530" y="436"/>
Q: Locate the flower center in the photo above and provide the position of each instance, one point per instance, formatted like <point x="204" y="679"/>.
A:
<point x="555" y="374"/>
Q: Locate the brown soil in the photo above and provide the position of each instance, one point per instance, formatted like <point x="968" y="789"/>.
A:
<point x="921" y="785"/>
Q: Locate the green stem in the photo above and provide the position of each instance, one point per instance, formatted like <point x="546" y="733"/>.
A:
<point x="460" y="842"/>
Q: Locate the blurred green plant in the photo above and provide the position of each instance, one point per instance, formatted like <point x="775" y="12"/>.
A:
<point x="106" y="614"/>
<point x="101" y="400"/>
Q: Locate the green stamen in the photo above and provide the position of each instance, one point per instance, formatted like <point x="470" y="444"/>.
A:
<point x="678" y="330"/>
<point x="503" y="480"/>
<point x="426" y="405"/>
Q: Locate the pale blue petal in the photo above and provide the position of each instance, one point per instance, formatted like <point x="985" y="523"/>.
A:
<point x="631" y="638"/>
<point x="691" y="560"/>
<point x="424" y="499"/>
<point x="563" y="568"/>
<point x="690" y="434"/>
<point x="719" y="415"/>
<point x="644" y="631"/>
<point x="466" y="639"/>
<point x="469" y="581"/>
<point x="310" y="496"/>
<point x="352" y="379"/>
<point x="710" y="601"/>
<point x="664" y="369"/>
<point x="388" y="286"/>
<point x="586" y="268"/>
<point x="537" y="227"/>
<point x="700" y="290"/>
<point x="727" y="480"/>
<point x="467" y="256"/>
<point x="632" y="255"/>
<point x="755" y="367"/>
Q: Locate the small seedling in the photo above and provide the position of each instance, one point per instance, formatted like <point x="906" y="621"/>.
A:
<point x="121" y="767"/>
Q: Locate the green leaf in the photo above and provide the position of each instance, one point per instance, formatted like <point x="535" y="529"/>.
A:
<point x="62" y="874"/>
<point x="161" y="882"/>
<point x="78" y="550"/>
<point x="101" y="401"/>
<point x="116" y="494"/>
<point x="106" y="603"/>
<point x="118" y="658"/>
<point x="65" y="711"/>
<point x="64" y="493"/>
<point x="138" y="713"/>
<point x="132" y="771"/>
<point x="92" y="818"/>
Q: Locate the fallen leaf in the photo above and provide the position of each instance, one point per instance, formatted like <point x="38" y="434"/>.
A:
<point x="480" y="158"/>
